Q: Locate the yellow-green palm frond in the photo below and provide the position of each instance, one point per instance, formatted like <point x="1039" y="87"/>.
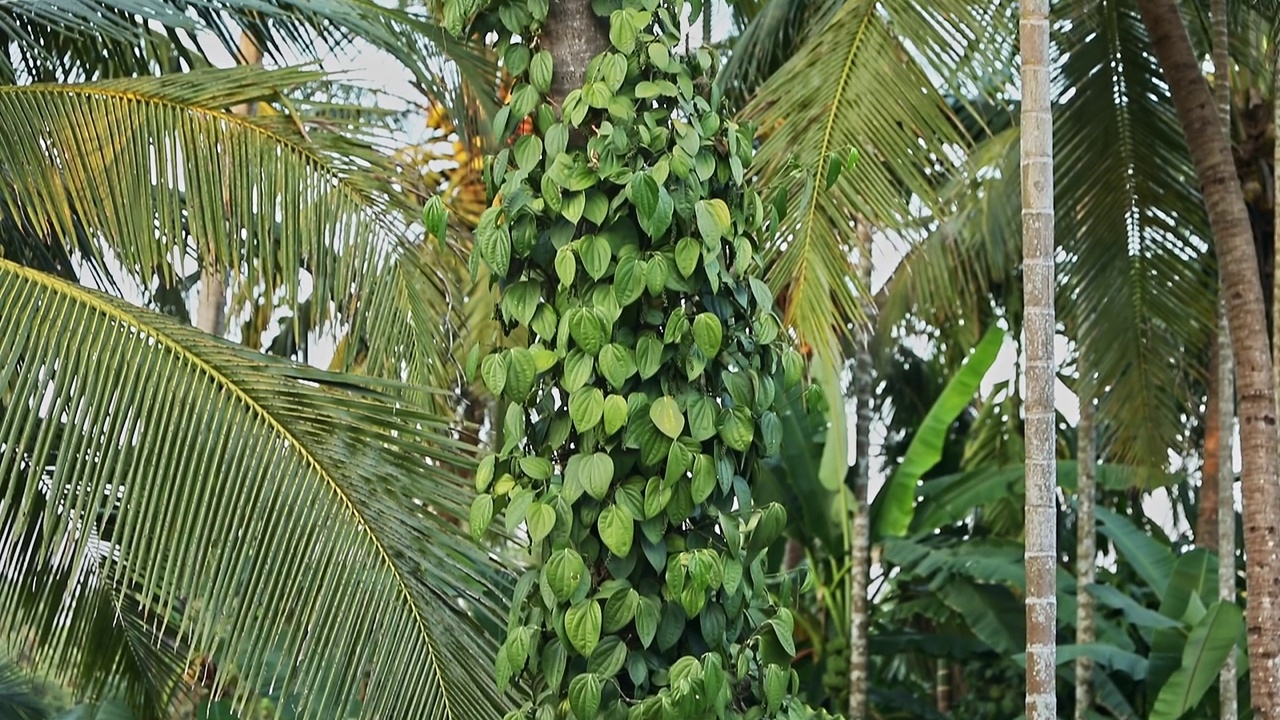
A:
<point x="774" y="31"/>
<point x="865" y="82"/>
<point x="954" y="277"/>
<point x="277" y="510"/>
<point x="74" y="40"/>
<point x="152" y="174"/>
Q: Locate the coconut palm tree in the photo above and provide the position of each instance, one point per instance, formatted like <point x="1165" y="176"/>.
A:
<point x="167" y="497"/>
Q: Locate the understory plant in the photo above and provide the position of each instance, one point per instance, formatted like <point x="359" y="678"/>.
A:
<point x="641" y="375"/>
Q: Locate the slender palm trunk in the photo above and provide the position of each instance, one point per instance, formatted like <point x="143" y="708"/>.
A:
<point x="211" y="305"/>
<point x="942" y="686"/>
<point x="861" y="541"/>
<point x="1228" y="702"/>
<point x="1233" y="238"/>
<point x="1086" y="544"/>
<point x="1038" y="332"/>
<point x="1207" y="511"/>
<point x="1226" y="545"/>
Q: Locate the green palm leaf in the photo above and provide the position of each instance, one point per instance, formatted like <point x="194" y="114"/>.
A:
<point x="18" y="701"/>
<point x="864" y="82"/>
<point x="148" y="174"/>
<point x="1136" y="287"/>
<point x="66" y="40"/>
<point x="1136" y="290"/>
<point x="277" y="509"/>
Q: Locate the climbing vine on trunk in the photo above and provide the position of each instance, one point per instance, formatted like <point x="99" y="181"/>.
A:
<point x="624" y="238"/>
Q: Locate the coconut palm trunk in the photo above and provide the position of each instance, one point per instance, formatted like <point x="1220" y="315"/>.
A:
<point x="573" y="35"/>
<point x="1038" y="293"/>
<point x="1229" y="223"/>
<point x="1206" y="532"/>
<point x="1086" y="544"/>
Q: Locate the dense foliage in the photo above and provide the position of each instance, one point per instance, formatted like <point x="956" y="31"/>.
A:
<point x="624" y="237"/>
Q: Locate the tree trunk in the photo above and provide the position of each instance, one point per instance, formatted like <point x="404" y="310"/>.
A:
<point x="1038" y="332"/>
<point x="1086" y="544"/>
<point x="1226" y="505"/>
<point x="1206" y="532"/>
<point x="860" y="563"/>
<point x="211" y="303"/>
<point x="1238" y="262"/>
<point x="1227" y="699"/>
<point x="942" y="686"/>
<point x="573" y="35"/>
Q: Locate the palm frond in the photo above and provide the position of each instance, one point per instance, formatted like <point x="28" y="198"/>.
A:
<point x="71" y="40"/>
<point x="953" y="279"/>
<point x="18" y="700"/>
<point x="1137" y="287"/>
<point x="107" y="641"/>
<point x="776" y="29"/>
<point x="149" y="174"/>
<point x="865" y="82"/>
<point x="1136" y="281"/>
<point x="278" y="510"/>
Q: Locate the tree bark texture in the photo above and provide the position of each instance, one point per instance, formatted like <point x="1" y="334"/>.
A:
<point x="860" y="564"/>
<point x="1228" y="693"/>
<point x="1233" y="239"/>
<point x="1086" y="544"/>
<point x="1038" y="333"/>
<point x="573" y="35"/>
<point x="1206" y="532"/>
<point x="1228" y="702"/>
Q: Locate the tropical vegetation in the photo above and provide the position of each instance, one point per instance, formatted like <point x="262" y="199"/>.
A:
<point x="548" y="411"/>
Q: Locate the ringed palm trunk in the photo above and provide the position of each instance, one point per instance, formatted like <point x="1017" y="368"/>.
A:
<point x="1038" y="332"/>
<point x="1086" y="545"/>
<point x="1226" y="520"/>
<point x="1226" y="506"/>
<point x="1232" y="236"/>
<point x="861" y="541"/>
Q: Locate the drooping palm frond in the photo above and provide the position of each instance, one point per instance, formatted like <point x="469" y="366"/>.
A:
<point x="105" y="640"/>
<point x="278" y="509"/>
<point x="865" y="82"/>
<point x="152" y="173"/>
<point x="72" y="40"/>
<point x="953" y="279"/>
<point x="1137" y="289"/>
<point x="1136" y="284"/>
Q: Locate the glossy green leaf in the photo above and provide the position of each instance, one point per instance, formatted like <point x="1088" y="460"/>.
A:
<point x="665" y="414"/>
<point x="617" y="529"/>
<point x="586" y="407"/>
<point x="540" y="519"/>
<point x="582" y="624"/>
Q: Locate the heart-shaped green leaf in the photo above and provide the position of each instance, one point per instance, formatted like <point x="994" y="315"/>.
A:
<point x="665" y="414"/>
